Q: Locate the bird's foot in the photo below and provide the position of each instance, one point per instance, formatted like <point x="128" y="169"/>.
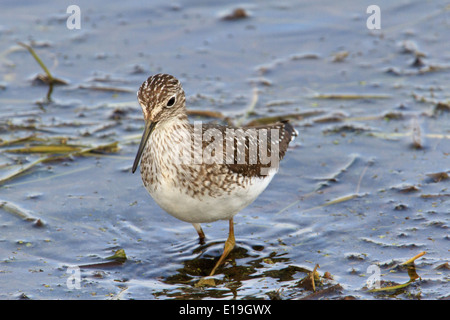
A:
<point x="206" y="282"/>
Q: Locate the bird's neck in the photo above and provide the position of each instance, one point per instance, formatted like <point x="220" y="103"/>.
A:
<point x="180" y="122"/>
<point x="170" y="135"/>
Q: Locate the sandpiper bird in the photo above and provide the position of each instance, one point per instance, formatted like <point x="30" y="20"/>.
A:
<point x="201" y="173"/>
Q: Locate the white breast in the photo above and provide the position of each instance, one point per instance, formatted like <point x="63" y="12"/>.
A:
<point x="185" y="192"/>
<point x="206" y="208"/>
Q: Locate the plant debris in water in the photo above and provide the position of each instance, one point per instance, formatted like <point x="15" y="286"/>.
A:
<point x="413" y="276"/>
<point x="52" y="153"/>
<point x="388" y="200"/>
<point x="20" y="212"/>
<point x="236" y="14"/>
<point x="48" y="78"/>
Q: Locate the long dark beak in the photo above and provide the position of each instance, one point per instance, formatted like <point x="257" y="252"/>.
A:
<point x="149" y="126"/>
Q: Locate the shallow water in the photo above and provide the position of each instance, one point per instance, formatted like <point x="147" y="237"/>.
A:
<point x="371" y="107"/>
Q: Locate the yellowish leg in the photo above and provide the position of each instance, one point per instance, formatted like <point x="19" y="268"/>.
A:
<point x="201" y="234"/>
<point x="229" y="245"/>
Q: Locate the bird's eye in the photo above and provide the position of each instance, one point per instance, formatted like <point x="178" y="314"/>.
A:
<point x="171" y="101"/>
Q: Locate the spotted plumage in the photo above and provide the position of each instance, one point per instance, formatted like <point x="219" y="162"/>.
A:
<point x="203" y="172"/>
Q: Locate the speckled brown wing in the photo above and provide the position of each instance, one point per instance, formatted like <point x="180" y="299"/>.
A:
<point x="242" y="150"/>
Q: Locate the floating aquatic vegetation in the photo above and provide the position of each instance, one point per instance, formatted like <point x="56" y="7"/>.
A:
<point x="413" y="276"/>
<point x="347" y="128"/>
<point x="406" y="188"/>
<point x="333" y="117"/>
<point x="52" y="149"/>
<point x="275" y="103"/>
<point x="393" y="115"/>
<point x="118" y="258"/>
<point x="54" y="152"/>
<point x="118" y="255"/>
<point x="47" y="78"/>
<point x="438" y="195"/>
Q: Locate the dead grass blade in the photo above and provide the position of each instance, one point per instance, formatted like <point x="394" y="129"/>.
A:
<point x="20" y="212"/>
<point x="411" y="273"/>
<point x="57" y="152"/>
<point x="50" y="149"/>
<point x="118" y="258"/>
<point x="206" y="114"/>
<point x="414" y="258"/>
<point x="49" y="78"/>
<point x="106" y="89"/>
<point x="22" y="170"/>
<point x="250" y="109"/>
<point x="343" y="96"/>
<point x="274" y="119"/>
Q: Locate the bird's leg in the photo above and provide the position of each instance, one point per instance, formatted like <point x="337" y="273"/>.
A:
<point x="201" y="234"/>
<point x="229" y="245"/>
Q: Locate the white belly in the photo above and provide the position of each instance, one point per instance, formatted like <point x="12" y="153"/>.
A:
<point x="206" y="208"/>
<point x="188" y="191"/>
